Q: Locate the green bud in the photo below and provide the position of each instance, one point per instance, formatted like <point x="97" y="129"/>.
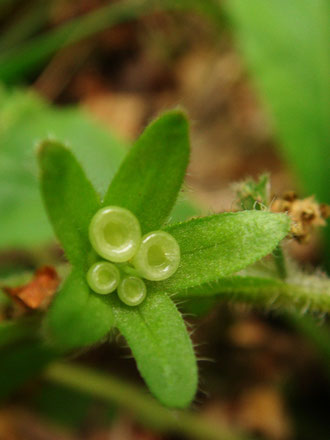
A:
<point x="115" y="233"/>
<point x="158" y="256"/>
<point x="132" y="290"/>
<point x="103" y="277"/>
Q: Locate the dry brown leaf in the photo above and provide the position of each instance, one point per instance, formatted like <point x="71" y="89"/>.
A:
<point x="39" y="291"/>
<point x="306" y="214"/>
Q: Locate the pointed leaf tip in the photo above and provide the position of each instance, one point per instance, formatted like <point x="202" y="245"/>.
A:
<point x="151" y="175"/>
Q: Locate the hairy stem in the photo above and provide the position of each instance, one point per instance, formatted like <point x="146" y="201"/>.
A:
<point x="280" y="263"/>
<point x="300" y="292"/>
<point x="143" y="406"/>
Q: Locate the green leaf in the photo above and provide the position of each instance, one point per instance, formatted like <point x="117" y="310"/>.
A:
<point x="25" y="121"/>
<point x="69" y="198"/>
<point x="285" y="45"/>
<point x="217" y="246"/>
<point x="152" y="173"/>
<point x="77" y="316"/>
<point x="160" y="343"/>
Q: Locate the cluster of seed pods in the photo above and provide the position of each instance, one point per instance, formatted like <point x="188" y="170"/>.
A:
<point x="115" y="235"/>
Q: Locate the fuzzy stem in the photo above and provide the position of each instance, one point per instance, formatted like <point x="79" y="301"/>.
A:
<point x="279" y="259"/>
<point x="144" y="407"/>
<point x="302" y="293"/>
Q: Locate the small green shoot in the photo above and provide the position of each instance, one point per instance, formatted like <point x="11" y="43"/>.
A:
<point x="103" y="277"/>
<point x="115" y="234"/>
<point x="132" y="291"/>
<point x="158" y="256"/>
<point x="196" y="252"/>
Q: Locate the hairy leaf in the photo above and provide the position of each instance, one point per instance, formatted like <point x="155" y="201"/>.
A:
<point x="70" y="200"/>
<point x="217" y="246"/>
<point x="77" y="316"/>
<point x="160" y="343"/>
<point x="152" y="173"/>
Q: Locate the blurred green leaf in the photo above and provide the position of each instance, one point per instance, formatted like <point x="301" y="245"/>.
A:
<point x="24" y="121"/>
<point x="286" y="48"/>
<point x="150" y="178"/>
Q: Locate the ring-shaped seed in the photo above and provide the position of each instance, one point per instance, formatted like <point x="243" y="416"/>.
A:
<point x="158" y="256"/>
<point x="115" y="233"/>
<point x="103" y="277"/>
<point x="132" y="291"/>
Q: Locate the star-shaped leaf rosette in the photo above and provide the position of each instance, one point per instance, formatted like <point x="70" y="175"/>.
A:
<point x="128" y="264"/>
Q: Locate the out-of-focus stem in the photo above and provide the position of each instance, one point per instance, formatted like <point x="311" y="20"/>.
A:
<point x="279" y="259"/>
<point x="141" y="405"/>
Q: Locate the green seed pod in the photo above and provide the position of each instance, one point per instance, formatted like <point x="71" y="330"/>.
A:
<point x="103" y="277"/>
<point x="115" y="233"/>
<point x="132" y="291"/>
<point x="158" y="256"/>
